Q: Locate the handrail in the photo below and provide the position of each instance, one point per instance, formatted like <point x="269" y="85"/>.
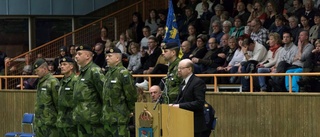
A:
<point x="251" y="75"/>
<point x="70" y="33"/>
<point x="85" y="35"/>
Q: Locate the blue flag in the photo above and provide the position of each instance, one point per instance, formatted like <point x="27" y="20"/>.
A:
<point x="172" y="34"/>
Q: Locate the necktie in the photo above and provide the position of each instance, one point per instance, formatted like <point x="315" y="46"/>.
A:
<point x="183" y="84"/>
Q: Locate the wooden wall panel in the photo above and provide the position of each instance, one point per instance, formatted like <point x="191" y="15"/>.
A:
<point x="13" y="105"/>
<point x="239" y="114"/>
<point x="266" y="114"/>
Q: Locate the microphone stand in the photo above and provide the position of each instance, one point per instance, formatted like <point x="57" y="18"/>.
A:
<point x="160" y="101"/>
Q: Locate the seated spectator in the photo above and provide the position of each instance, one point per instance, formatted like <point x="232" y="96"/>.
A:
<point x="103" y="36"/>
<point x="153" y="21"/>
<point x="224" y="42"/>
<point x="192" y="30"/>
<point x="218" y="10"/>
<point x="279" y="25"/>
<point x="163" y="17"/>
<point x="183" y="23"/>
<point x="315" y="28"/>
<point x="28" y="83"/>
<point x="186" y="49"/>
<point x="270" y="60"/>
<point x="243" y="15"/>
<point x="181" y="6"/>
<point x="149" y="58"/>
<point x="259" y="34"/>
<point x="226" y="26"/>
<point x="225" y="17"/>
<point x="300" y="60"/>
<point x="205" y="18"/>
<point x="99" y="57"/>
<point x="160" y="33"/>
<point x="201" y="49"/>
<point x="294" y="28"/>
<point x="271" y="12"/>
<point x="257" y="54"/>
<point x="316" y="56"/>
<point x="233" y="58"/>
<point x="258" y="13"/>
<point x="56" y="62"/>
<point x="238" y="29"/>
<point x="122" y="43"/>
<point x="51" y="68"/>
<point x="134" y="60"/>
<point x="136" y="26"/>
<point x="203" y="7"/>
<point x="294" y="8"/>
<point x="207" y="14"/>
<point x="72" y="51"/>
<point x="284" y="61"/>
<point x="9" y="66"/>
<point x="305" y="25"/>
<point x="147" y="34"/>
<point x="217" y="31"/>
<point x="211" y="60"/>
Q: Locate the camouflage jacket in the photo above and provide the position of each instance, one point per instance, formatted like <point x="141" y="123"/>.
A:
<point x="46" y="101"/>
<point x="87" y="95"/>
<point x="119" y="95"/>
<point x="65" y="101"/>
<point x="173" y="82"/>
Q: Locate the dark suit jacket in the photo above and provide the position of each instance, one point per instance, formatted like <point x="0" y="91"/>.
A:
<point x="192" y="98"/>
<point x="151" y="60"/>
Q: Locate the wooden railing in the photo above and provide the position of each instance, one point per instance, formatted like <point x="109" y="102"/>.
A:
<point x="214" y="76"/>
<point x="117" y="22"/>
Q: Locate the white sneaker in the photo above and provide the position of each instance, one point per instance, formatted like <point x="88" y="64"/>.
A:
<point x="144" y="85"/>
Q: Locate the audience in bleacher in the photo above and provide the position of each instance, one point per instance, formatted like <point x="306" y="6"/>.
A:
<point x="226" y="24"/>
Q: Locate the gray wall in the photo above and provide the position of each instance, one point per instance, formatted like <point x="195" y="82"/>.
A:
<point x="51" y="7"/>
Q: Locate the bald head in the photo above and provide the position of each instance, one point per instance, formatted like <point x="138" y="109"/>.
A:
<point x="185" y="46"/>
<point x="185" y="68"/>
<point x="155" y="92"/>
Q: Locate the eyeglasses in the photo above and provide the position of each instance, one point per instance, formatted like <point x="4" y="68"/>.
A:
<point x="181" y="68"/>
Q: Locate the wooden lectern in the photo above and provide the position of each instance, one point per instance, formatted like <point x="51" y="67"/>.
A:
<point x="174" y="122"/>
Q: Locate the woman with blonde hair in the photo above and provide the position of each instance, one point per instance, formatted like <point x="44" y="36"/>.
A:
<point x="134" y="60"/>
<point x="270" y="60"/>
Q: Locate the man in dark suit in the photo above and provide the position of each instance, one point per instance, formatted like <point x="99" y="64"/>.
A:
<point x="191" y="95"/>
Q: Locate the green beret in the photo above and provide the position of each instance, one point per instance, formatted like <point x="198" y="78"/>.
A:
<point x="113" y="50"/>
<point x="84" y="47"/>
<point x="170" y="45"/>
<point x="67" y="59"/>
<point x="38" y="63"/>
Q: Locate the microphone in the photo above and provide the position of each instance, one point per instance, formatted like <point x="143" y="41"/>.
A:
<point x="170" y="77"/>
<point x="159" y="101"/>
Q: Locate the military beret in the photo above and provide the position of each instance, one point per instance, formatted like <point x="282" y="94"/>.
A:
<point x="66" y="59"/>
<point x="38" y="63"/>
<point x="170" y="45"/>
<point x="113" y="50"/>
<point x="84" y="47"/>
<point x="63" y="48"/>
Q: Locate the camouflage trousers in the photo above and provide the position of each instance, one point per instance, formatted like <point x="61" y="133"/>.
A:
<point x="116" y="130"/>
<point x="88" y="130"/>
<point x="68" y="132"/>
<point x="46" y="131"/>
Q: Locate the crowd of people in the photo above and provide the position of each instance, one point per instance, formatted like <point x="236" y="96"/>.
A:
<point x="216" y="37"/>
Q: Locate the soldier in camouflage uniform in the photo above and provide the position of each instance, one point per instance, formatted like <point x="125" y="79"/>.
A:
<point x="170" y="53"/>
<point x="87" y="95"/>
<point x="46" y="101"/>
<point x="119" y="96"/>
<point x="66" y="126"/>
